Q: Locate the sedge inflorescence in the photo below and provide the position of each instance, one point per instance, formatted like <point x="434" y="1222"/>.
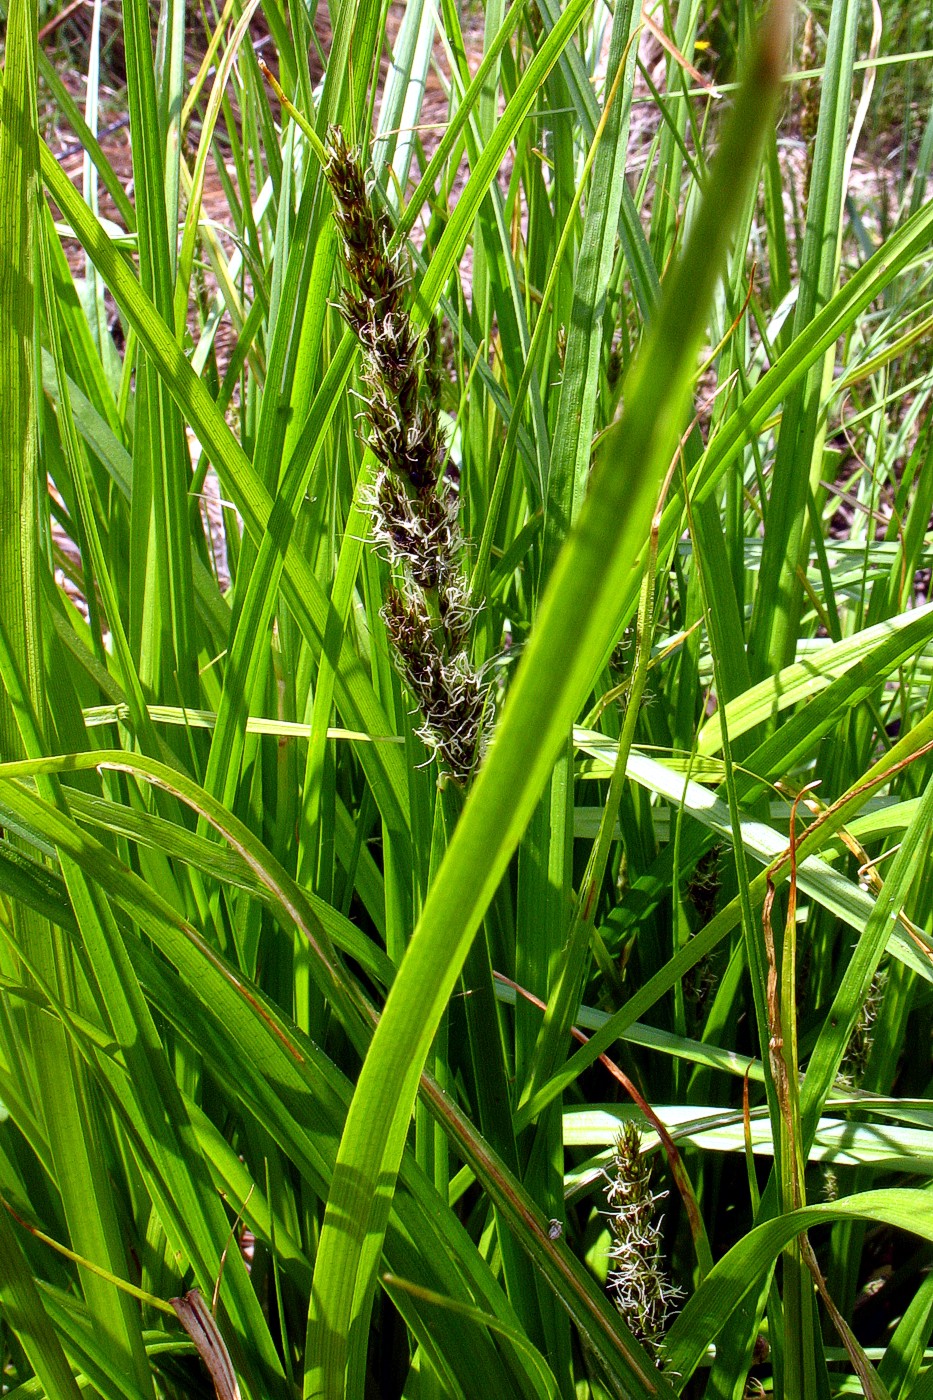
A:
<point x="413" y="502"/>
<point x="638" y="1280"/>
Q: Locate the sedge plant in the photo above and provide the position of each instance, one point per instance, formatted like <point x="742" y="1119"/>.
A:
<point x="466" y="761"/>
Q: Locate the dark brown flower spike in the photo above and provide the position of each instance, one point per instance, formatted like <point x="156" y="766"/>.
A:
<point x="414" y="502"/>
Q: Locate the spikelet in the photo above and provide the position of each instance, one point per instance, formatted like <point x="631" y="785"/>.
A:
<point x="638" y="1280"/>
<point x="413" y="504"/>
<point x="858" y="1051"/>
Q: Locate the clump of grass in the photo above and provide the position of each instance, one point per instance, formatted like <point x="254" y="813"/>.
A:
<point x="414" y="501"/>
<point x="638" y="1279"/>
<point x="239" y="1056"/>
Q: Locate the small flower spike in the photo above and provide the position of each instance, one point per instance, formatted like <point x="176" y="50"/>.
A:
<point x="414" y="502"/>
<point x="643" y="1293"/>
